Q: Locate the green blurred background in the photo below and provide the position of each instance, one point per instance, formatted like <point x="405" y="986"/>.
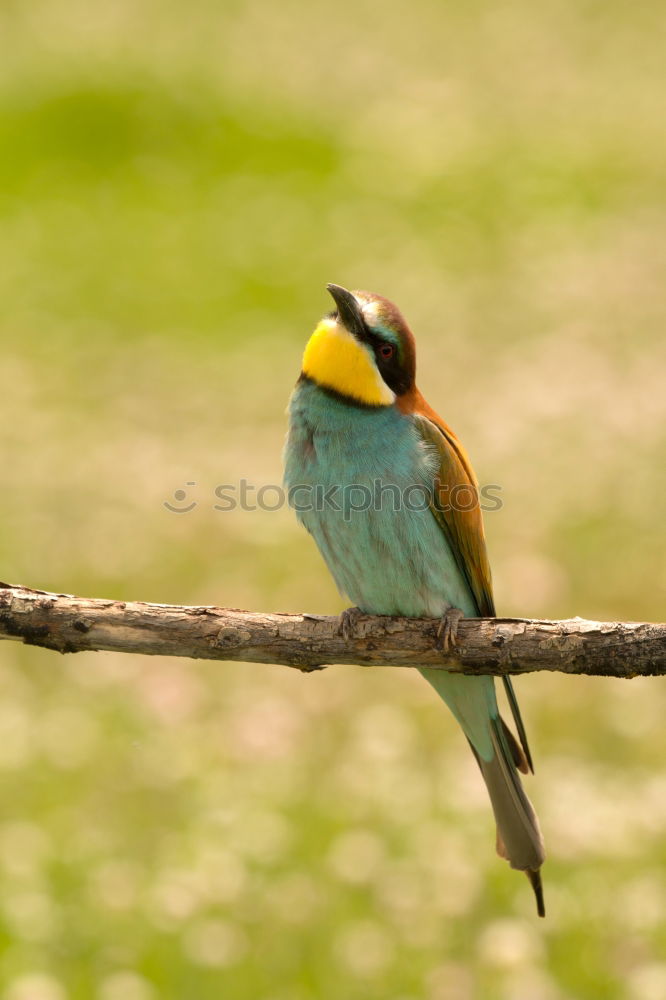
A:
<point x="177" y="184"/>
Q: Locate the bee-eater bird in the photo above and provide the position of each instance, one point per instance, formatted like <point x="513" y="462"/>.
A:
<point x="363" y="448"/>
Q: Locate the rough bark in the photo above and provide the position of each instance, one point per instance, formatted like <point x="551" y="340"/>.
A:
<point x="70" y="624"/>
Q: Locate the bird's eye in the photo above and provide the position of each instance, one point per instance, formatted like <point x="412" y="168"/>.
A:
<point x="386" y="351"/>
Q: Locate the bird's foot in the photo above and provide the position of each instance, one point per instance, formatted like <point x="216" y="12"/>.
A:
<point x="347" y="623"/>
<point x="447" y="632"/>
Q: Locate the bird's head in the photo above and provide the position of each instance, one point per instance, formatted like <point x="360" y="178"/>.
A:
<point x="362" y="351"/>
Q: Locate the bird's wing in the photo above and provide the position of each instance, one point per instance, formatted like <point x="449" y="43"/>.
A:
<point x="457" y="511"/>
<point x="456" y="507"/>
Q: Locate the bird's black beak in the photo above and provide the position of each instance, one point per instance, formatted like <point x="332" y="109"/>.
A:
<point x="349" y="311"/>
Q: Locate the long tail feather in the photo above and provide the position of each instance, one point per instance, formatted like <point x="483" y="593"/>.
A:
<point x="500" y="757"/>
<point x="518" y="719"/>
<point x="517" y="753"/>
<point x="519" y="838"/>
<point x="535" y="882"/>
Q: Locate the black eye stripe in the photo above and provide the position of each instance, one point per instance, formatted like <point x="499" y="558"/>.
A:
<point x="390" y="365"/>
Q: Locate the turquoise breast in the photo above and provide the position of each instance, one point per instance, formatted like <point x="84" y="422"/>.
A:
<point x="359" y="480"/>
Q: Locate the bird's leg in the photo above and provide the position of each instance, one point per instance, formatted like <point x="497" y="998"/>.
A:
<point x="447" y="632"/>
<point x="347" y="623"/>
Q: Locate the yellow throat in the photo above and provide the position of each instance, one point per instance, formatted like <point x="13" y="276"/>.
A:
<point x="336" y="360"/>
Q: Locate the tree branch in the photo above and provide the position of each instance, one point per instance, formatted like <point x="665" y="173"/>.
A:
<point x="308" y="642"/>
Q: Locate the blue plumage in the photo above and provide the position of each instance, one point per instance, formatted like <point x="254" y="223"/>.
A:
<point x="387" y="561"/>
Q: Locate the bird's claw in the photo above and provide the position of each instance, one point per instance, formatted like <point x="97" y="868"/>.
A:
<point x="348" y="622"/>
<point x="447" y="631"/>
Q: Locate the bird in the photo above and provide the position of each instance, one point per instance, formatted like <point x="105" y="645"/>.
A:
<point x="373" y="474"/>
